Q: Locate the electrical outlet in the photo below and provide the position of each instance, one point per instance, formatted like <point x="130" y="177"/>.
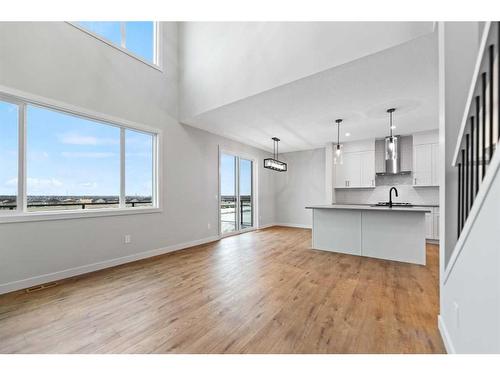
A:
<point x="208" y="225"/>
<point x="127" y="238"/>
<point x="456" y="309"/>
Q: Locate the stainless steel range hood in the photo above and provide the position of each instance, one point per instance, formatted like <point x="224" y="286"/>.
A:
<point x="392" y="156"/>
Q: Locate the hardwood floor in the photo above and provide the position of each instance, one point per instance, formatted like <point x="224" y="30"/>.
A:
<point x="259" y="292"/>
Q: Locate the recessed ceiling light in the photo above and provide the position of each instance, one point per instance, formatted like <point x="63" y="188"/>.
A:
<point x="347" y="134"/>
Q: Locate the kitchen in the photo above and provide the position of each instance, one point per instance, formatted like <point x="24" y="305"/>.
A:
<point x="364" y="174"/>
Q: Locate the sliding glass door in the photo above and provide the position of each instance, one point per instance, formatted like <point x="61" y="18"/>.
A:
<point x="236" y="208"/>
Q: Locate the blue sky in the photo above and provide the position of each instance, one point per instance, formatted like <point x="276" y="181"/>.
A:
<point x="139" y="35"/>
<point x="228" y="175"/>
<point x="8" y="148"/>
<point x="68" y="155"/>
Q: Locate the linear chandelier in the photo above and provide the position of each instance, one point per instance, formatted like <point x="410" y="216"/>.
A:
<point x="273" y="163"/>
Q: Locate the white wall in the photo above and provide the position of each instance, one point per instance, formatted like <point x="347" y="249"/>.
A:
<point x="303" y="184"/>
<point x="60" y="62"/>
<point x="225" y="62"/>
<point x="470" y="296"/>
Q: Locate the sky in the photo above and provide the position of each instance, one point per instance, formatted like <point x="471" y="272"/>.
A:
<point x="68" y="155"/>
<point x="138" y="35"/>
<point x="227" y="177"/>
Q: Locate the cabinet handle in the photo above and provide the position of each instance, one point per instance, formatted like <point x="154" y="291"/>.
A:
<point x="414" y="181"/>
<point x="373" y="182"/>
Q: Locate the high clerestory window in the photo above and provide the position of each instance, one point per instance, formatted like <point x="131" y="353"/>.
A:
<point x="137" y="38"/>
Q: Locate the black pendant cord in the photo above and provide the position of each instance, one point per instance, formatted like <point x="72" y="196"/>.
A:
<point x="338" y="134"/>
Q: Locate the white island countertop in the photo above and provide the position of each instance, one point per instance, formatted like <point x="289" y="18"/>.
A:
<point x="367" y="207"/>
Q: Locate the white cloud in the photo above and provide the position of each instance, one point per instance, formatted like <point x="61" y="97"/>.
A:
<point x="90" y="155"/>
<point x="77" y="139"/>
<point x="11" y="182"/>
<point x="38" y="156"/>
<point x="43" y="183"/>
<point x="85" y="140"/>
<point x="89" y="185"/>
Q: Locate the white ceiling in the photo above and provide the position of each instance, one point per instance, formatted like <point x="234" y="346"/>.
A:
<point x="302" y="113"/>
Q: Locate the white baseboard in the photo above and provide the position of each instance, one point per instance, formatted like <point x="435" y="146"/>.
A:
<point x="448" y="344"/>
<point x="70" y="272"/>
<point x="267" y="226"/>
<point x="293" y="225"/>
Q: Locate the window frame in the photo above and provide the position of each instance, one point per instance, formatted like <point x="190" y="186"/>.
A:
<point x="21" y="213"/>
<point x="157" y="62"/>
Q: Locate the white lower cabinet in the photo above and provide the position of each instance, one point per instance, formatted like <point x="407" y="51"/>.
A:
<point x="432" y="224"/>
<point x="429" y="225"/>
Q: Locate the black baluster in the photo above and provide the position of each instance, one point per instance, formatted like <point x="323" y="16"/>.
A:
<point x="472" y="164"/>
<point x="467" y="146"/>
<point x="490" y="106"/>
<point x="462" y="201"/>
<point x="483" y="125"/>
<point x="459" y="215"/>
<point x="477" y="144"/>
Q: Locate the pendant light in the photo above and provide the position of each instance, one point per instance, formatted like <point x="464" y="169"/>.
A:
<point x="273" y="163"/>
<point x="391" y="138"/>
<point x="338" y="158"/>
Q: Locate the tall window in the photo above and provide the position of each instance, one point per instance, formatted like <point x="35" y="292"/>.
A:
<point x="138" y="37"/>
<point x="139" y="150"/>
<point x="8" y="155"/>
<point x="72" y="162"/>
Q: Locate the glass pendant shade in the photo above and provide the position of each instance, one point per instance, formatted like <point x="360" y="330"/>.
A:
<point x="338" y="156"/>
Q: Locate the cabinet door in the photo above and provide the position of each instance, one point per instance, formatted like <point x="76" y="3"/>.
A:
<point x="436" y="226"/>
<point x="340" y="179"/>
<point x="352" y="168"/>
<point x="435" y="164"/>
<point x="368" y="168"/>
<point x="429" y="226"/>
<point x="422" y="161"/>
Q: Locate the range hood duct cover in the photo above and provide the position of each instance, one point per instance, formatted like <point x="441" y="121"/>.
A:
<point x="392" y="155"/>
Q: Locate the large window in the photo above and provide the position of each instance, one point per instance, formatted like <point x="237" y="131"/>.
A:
<point x="137" y="37"/>
<point x="71" y="162"/>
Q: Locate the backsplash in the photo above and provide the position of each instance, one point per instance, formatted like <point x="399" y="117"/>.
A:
<point x="394" y="180"/>
<point x="407" y="193"/>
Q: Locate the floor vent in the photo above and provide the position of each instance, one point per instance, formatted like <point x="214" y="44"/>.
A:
<point x="40" y="287"/>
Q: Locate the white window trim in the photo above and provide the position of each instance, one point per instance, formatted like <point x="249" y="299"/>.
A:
<point x="157" y="61"/>
<point x="22" y="215"/>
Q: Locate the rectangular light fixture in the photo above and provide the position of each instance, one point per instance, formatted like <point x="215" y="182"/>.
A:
<point x="275" y="165"/>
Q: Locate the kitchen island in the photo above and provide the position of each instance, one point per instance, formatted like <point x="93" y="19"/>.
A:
<point x="393" y="233"/>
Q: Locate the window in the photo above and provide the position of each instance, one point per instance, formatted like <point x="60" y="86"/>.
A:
<point x="8" y="155"/>
<point x="138" y="37"/>
<point x="72" y="163"/>
<point x="139" y="168"/>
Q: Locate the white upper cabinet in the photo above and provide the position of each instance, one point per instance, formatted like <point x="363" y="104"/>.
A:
<point x="425" y="159"/>
<point x="368" y="168"/>
<point x="358" y="167"/>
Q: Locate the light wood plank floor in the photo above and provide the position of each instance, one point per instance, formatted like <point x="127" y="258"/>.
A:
<point x="259" y="292"/>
